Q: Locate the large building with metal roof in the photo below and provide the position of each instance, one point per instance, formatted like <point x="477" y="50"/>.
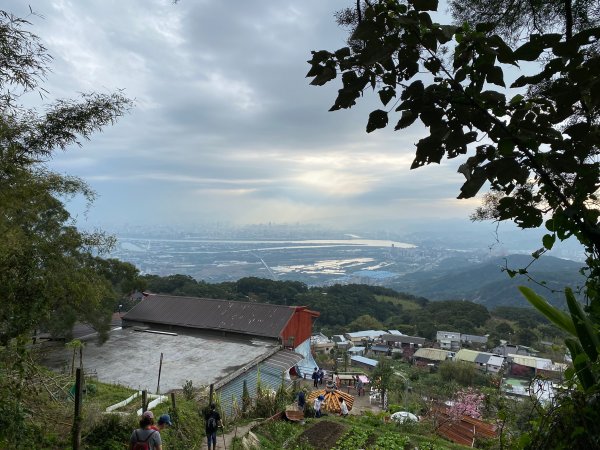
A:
<point x="291" y="325"/>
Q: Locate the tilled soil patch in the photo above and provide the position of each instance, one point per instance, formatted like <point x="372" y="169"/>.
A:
<point x="322" y="435"/>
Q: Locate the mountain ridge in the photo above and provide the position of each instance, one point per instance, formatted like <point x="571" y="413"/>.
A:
<point x="488" y="284"/>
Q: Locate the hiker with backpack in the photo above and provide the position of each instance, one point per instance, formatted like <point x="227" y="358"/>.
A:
<point x="213" y="422"/>
<point x="145" y="438"/>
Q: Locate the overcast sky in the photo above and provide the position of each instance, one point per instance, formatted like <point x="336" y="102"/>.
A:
<point x="225" y="126"/>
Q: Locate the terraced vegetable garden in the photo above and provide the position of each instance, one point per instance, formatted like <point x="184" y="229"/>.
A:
<point x="334" y="433"/>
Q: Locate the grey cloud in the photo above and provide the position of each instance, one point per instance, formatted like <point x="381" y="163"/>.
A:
<point x="226" y="124"/>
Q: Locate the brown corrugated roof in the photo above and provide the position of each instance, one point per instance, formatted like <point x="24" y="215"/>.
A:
<point x="259" y="319"/>
<point x="463" y="430"/>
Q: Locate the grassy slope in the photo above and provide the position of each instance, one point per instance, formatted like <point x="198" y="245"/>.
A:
<point x="407" y="304"/>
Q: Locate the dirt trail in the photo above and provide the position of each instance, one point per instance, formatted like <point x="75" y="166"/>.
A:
<point x="236" y="432"/>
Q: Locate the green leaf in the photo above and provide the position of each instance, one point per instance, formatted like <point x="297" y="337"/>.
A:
<point x="429" y="41"/>
<point x="548" y="241"/>
<point x="493" y="98"/>
<point x="327" y="74"/>
<point x="516" y="99"/>
<point x="342" y="53"/>
<point x="424" y="5"/>
<point x="506" y="147"/>
<point x="578" y="131"/>
<point x="530" y="51"/>
<point x="386" y="94"/>
<point x="553" y="314"/>
<point x="448" y="32"/>
<point x="472" y="186"/>
<point x="377" y="119"/>
<point x="496" y="76"/>
<point x="504" y="53"/>
<point x="485" y="27"/>
<point x="588" y="336"/>
<point x="581" y="364"/>
<point x="408" y="117"/>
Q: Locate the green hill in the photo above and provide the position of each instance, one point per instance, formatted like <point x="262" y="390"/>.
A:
<point x="487" y="284"/>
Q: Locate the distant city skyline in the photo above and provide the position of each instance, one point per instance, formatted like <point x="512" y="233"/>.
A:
<point x="225" y="125"/>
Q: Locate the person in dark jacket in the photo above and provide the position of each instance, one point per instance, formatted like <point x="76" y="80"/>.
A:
<point x="301" y="401"/>
<point x="213" y="422"/>
<point x="315" y="378"/>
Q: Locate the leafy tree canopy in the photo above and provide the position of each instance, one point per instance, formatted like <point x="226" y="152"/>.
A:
<point x="49" y="272"/>
<point x="533" y="141"/>
<point x="365" y="322"/>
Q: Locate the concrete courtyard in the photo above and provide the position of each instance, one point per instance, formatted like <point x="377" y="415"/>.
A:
<point x="131" y="358"/>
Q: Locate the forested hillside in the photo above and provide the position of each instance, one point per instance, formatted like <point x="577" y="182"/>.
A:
<point x="487" y="284"/>
<point x="355" y="307"/>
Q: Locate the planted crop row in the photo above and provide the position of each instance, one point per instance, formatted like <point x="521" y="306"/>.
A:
<point x="391" y="441"/>
<point x="353" y="439"/>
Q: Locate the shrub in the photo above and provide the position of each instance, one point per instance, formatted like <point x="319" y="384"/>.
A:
<point x="110" y="432"/>
<point x="189" y="391"/>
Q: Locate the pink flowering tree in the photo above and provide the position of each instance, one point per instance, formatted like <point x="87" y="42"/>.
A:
<point x="467" y="402"/>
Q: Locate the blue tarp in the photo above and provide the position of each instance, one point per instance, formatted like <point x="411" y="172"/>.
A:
<point x="308" y="364"/>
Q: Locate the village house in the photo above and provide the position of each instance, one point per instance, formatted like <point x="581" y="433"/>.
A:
<point x="486" y="362"/>
<point x="361" y="361"/>
<point x="448" y="340"/>
<point x="506" y="349"/>
<point x="357" y="351"/>
<point x="532" y="366"/>
<point x="473" y="341"/>
<point x="358" y="337"/>
<point x="426" y="356"/>
<point x="341" y="342"/>
<point x="381" y="350"/>
<point x="396" y="332"/>
<point x="452" y="340"/>
<point x="320" y="343"/>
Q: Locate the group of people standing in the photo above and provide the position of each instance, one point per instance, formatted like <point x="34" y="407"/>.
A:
<point x="317" y="377"/>
<point x="147" y="436"/>
<point x="319" y="402"/>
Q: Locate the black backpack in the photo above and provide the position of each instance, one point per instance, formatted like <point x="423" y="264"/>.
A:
<point x="211" y="424"/>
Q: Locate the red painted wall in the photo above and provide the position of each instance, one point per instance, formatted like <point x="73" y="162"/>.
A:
<point x="299" y="326"/>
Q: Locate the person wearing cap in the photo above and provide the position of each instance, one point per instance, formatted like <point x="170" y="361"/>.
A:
<point x="163" y="422"/>
<point x="145" y="433"/>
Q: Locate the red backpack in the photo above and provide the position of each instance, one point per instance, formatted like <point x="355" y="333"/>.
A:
<point x="142" y="445"/>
